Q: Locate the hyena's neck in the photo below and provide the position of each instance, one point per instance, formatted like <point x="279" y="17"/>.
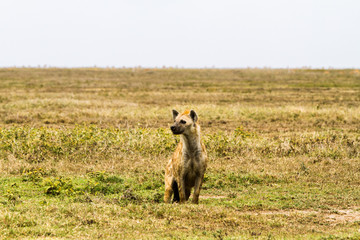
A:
<point x="191" y="143"/>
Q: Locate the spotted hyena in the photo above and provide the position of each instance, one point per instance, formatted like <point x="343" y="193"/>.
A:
<point x="186" y="168"/>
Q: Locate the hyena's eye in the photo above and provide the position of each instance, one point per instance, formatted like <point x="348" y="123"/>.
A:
<point x="182" y="121"/>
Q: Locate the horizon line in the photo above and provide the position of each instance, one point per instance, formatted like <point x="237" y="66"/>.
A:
<point x="176" y="67"/>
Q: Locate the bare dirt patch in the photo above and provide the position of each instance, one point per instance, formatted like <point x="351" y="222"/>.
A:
<point x="336" y="216"/>
<point x="212" y="196"/>
<point x="344" y="216"/>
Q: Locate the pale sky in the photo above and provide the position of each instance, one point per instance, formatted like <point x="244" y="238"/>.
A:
<point x="186" y="33"/>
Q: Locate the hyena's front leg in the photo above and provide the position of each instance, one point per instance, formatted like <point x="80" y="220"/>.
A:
<point x="168" y="194"/>
<point x="182" y="191"/>
<point x="168" y="189"/>
<point x="197" y="188"/>
<point x="187" y="193"/>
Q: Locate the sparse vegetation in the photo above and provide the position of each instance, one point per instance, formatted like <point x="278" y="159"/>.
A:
<point x="83" y="152"/>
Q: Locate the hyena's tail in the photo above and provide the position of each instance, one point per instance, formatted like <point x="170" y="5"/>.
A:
<point x="176" y="192"/>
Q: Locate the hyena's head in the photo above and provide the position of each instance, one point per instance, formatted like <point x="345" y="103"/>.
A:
<point x="184" y="123"/>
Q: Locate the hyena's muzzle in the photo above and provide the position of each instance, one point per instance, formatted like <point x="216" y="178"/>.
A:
<point x="176" y="129"/>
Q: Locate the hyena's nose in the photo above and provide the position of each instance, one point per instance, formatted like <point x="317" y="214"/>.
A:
<point x="172" y="128"/>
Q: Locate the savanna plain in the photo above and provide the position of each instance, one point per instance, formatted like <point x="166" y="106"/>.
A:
<point x="83" y="153"/>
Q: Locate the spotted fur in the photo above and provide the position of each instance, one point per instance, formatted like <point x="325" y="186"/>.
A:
<point x="186" y="169"/>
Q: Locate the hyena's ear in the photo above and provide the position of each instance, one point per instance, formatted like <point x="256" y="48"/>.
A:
<point x="193" y="115"/>
<point x="175" y="114"/>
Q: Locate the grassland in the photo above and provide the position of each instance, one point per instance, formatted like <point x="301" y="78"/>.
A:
<point x="83" y="151"/>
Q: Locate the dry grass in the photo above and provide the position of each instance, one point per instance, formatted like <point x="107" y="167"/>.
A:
<point x="82" y="153"/>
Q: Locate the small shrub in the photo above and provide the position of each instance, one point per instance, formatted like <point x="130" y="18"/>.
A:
<point x="34" y="174"/>
<point x="12" y="197"/>
<point x="240" y="132"/>
<point x="130" y="196"/>
<point x="57" y="186"/>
